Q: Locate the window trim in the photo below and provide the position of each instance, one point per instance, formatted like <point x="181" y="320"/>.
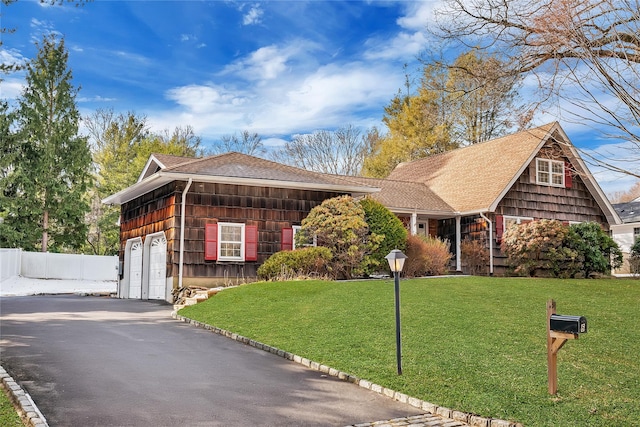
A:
<point x="551" y="174"/>
<point x="242" y="241"/>
<point x="518" y="220"/>
<point x="296" y="229"/>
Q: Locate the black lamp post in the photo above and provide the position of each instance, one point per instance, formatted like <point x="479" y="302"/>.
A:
<point x="396" y="262"/>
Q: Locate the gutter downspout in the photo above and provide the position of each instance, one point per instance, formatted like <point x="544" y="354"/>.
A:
<point x="458" y="251"/>
<point x="183" y="209"/>
<point x="490" y="243"/>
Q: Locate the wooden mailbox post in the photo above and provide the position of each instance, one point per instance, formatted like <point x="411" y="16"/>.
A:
<point x="559" y="330"/>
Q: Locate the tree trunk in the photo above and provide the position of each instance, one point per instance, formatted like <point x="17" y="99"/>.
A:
<point x="45" y="234"/>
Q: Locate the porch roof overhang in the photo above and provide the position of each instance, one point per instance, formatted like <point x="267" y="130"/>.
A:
<point x="161" y="178"/>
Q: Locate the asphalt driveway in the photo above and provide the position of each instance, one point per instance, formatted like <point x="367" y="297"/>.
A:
<point x="99" y="361"/>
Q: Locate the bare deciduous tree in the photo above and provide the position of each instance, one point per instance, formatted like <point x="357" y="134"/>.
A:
<point x="585" y="54"/>
<point x="246" y="143"/>
<point x="339" y="152"/>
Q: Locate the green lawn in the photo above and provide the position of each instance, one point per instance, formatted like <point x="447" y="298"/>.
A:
<point x="469" y="343"/>
<point x="8" y="415"/>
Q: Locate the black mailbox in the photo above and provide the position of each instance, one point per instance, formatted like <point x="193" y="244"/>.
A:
<point x="571" y="324"/>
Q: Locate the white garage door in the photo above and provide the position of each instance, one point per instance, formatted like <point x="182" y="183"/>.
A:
<point x="135" y="271"/>
<point x="158" y="268"/>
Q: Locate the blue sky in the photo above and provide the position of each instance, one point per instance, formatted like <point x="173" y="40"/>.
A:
<point x="277" y="68"/>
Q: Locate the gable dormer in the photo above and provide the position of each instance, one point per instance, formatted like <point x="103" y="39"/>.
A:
<point x="158" y="162"/>
<point x="153" y="165"/>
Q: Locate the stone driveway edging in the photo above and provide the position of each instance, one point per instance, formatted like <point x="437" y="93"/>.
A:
<point x="25" y="406"/>
<point x="465" y="417"/>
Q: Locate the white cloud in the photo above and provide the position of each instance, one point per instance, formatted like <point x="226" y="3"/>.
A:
<point x="269" y="62"/>
<point x="11" y="56"/>
<point x="254" y="16"/>
<point x="411" y="39"/>
<point x="331" y="96"/>
<point x="96" y="98"/>
<point x="404" y="45"/>
<point x="198" y="99"/>
<point x="419" y="15"/>
<point x="11" y="88"/>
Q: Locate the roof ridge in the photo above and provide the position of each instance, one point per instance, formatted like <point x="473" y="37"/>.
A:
<point x="190" y="160"/>
<point x="550" y="125"/>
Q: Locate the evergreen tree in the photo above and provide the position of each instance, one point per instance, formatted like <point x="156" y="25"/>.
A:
<point x="48" y="164"/>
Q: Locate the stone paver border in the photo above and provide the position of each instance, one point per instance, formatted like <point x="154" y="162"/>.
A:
<point x="446" y="413"/>
<point x="27" y="409"/>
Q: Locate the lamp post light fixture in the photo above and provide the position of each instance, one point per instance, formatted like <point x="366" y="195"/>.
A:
<point x="396" y="262"/>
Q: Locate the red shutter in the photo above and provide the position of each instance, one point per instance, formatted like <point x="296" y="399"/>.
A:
<point x="211" y="242"/>
<point x="287" y="239"/>
<point x="499" y="227"/>
<point x="568" y="176"/>
<point x="250" y="243"/>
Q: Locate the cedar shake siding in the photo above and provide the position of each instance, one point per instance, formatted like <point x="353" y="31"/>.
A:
<point x="267" y="208"/>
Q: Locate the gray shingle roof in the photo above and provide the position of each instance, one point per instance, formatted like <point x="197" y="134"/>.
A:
<point x="628" y="212"/>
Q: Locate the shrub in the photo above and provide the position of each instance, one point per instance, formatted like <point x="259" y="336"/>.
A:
<point x="634" y="258"/>
<point x="339" y="225"/>
<point x="599" y="252"/>
<point x="383" y="222"/>
<point x="538" y="248"/>
<point x="426" y="256"/>
<point x="305" y="262"/>
<point x="475" y="256"/>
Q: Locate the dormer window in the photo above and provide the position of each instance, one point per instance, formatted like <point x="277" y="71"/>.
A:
<point x="550" y="172"/>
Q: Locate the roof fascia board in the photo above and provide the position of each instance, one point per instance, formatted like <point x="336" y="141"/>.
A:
<point x="260" y="182"/>
<point x="161" y="178"/>
<point x="148" y="184"/>
<point x="433" y="214"/>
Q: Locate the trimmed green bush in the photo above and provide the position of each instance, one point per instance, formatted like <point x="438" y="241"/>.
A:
<point x="550" y="248"/>
<point x="305" y="262"/>
<point x="538" y="249"/>
<point x="426" y="256"/>
<point x="599" y="252"/>
<point x="383" y="222"/>
<point x="339" y="225"/>
<point x="634" y="258"/>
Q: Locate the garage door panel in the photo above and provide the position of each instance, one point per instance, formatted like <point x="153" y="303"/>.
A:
<point x="158" y="268"/>
<point x="135" y="271"/>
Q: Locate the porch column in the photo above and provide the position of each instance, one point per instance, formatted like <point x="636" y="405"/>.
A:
<point x="414" y="224"/>
<point x="458" y="252"/>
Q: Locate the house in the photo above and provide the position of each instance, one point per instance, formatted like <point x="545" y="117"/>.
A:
<point x="198" y="221"/>
<point x="194" y="221"/>
<point x="533" y="174"/>
<point x="628" y="232"/>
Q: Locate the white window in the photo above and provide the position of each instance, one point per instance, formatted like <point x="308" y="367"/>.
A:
<point x="230" y="242"/>
<point x="550" y="172"/>
<point x="296" y="230"/>
<point x="510" y="221"/>
<point x="636" y="233"/>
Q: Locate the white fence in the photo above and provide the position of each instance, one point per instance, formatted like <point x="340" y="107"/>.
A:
<point x="38" y="265"/>
<point x="9" y="263"/>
